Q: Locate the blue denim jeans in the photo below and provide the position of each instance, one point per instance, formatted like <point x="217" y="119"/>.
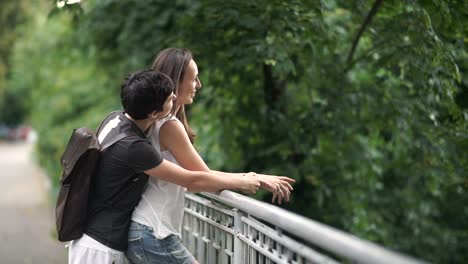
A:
<point x="145" y="248"/>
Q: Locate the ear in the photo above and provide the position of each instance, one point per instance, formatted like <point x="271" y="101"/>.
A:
<point x="153" y="115"/>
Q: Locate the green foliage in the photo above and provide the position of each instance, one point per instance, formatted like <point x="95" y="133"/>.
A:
<point x="378" y="143"/>
<point x="12" y="14"/>
<point x="67" y="89"/>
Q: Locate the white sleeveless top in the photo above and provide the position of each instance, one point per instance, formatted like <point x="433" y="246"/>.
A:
<point x="162" y="203"/>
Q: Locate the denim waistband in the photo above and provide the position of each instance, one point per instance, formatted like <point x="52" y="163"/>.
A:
<point x="138" y="226"/>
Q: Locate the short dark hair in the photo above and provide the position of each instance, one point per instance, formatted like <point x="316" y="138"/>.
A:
<point x="145" y="91"/>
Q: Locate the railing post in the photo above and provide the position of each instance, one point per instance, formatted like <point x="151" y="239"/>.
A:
<point x="238" y="229"/>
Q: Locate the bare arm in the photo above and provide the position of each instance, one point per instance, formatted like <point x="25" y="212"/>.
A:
<point x="202" y="181"/>
<point x="280" y="186"/>
<point x="172" y="136"/>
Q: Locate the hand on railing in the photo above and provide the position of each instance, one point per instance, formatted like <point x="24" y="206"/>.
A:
<point x="250" y="183"/>
<point x="280" y="186"/>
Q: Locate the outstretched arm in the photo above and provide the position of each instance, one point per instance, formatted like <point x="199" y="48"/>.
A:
<point x="200" y="181"/>
<point x="172" y="136"/>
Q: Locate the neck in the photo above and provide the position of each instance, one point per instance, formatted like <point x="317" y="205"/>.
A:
<point x="177" y="108"/>
<point x="143" y="124"/>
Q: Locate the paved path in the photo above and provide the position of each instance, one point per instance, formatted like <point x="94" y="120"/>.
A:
<point x="26" y="214"/>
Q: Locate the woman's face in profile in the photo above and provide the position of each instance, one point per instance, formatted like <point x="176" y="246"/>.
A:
<point x="189" y="84"/>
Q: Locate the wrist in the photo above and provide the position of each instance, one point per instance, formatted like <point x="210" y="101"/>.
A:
<point x="242" y="183"/>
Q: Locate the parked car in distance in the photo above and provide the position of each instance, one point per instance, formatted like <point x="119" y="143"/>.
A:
<point x="17" y="133"/>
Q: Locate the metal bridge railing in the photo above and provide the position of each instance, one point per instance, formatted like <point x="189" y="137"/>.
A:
<point x="232" y="228"/>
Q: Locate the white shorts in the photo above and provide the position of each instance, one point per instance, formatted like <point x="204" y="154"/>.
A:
<point x="87" y="250"/>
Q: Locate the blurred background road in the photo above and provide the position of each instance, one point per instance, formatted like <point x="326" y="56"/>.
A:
<point x="26" y="213"/>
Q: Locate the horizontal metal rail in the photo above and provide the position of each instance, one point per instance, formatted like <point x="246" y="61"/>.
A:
<point x="232" y="228"/>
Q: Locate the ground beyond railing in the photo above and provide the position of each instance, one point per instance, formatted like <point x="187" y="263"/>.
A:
<point x="232" y="228"/>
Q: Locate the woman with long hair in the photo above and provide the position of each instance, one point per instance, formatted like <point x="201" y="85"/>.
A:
<point x="155" y="231"/>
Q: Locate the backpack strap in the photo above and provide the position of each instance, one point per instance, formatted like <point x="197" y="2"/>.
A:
<point x="114" y="140"/>
<point x="105" y="120"/>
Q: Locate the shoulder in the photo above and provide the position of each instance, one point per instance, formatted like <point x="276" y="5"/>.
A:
<point x="172" y="128"/>
<point x="136" y="141"/>
<point x="141" y="155"/>
<point x="133" y="150"/>
<point x="173" y="137"/>
<point x="172" y="122"/>
<point x="167" y="124"/>
<point x="134" y="144"/>
<point x="154" y="129"/>
<point x="167" y="120"/>
<point x="138" y="147"/>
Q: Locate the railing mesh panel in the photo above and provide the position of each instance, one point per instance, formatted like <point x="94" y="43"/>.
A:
<point x="208" y="232"/>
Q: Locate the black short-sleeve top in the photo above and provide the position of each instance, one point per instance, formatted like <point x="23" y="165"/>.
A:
<point x="119" y="181"/>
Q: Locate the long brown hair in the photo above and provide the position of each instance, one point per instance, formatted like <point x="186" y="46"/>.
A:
<point x="173" y="62"/>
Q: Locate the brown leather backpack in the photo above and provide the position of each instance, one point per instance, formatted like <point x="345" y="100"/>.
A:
<point x="79" y="163"/>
